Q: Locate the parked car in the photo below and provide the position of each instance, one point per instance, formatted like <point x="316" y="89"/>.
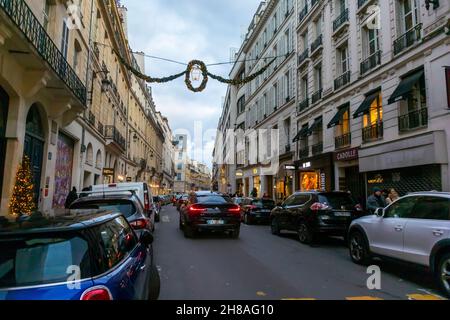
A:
<point x="237" y="200"/>
<point x="142" y="191"/>
<point x="125" y="202"/>
<point x="414" y="229"/>
<point x="209" y="211"/>
<point x="182" y="200"/>
<point x="256" y="210"/>
<point x="311" y="214"/>
<point x="113" y="263"/>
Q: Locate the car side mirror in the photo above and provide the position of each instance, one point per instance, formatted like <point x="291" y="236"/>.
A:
<point x="379" y="212"/>
<point x="146" y="238"/>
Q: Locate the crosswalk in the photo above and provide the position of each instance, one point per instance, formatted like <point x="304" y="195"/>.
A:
<point x="414" y="296"/>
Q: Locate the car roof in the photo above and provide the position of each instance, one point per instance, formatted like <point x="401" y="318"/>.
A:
<point x="208" y="193"/>
<point x="57" y="220"/>
<point x="430" y="193"/>
<point x="107" y="196"/>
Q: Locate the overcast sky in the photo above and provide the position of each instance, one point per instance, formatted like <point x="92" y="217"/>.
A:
<point x="184" y="30"/>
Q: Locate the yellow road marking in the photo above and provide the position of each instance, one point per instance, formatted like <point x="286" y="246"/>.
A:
<point x="424" y="297"/>
<point x="362" y="298"/>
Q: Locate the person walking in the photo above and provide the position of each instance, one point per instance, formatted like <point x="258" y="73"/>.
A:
<point x="392" y="196"/>
<point x="376" y="200"/>
<point x="71" y="197"/>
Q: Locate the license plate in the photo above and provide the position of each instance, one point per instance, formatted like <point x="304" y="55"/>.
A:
<point x="342" y="214"/>
<point x="216" y="222"/>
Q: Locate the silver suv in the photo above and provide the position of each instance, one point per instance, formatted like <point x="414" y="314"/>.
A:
<point x="414" y="229"/>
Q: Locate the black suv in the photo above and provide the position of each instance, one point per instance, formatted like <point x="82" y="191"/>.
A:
<point x="316" y="213"/>
<point x="210" y="211"/>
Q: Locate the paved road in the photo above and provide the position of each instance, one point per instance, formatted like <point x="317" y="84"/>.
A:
<point x="262" y="266"/>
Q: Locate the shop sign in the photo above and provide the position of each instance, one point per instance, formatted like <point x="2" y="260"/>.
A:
<point x="239" y="174"/>
<point x="290" y="167"/>
<point x="347" y="155"/>
<point x="108" y="172"/>
<point x="307" y="165"/>
<point x="323" y="181"/>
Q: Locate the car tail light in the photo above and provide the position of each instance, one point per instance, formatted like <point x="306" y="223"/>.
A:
<point x="139" y="224"/>
<point x="319" y="207"/>
<point x="196" y="210"/>
<point x="97" y="294"/>
<point x="235" y="209"/>
<point x="358" y="207"/>
<point x="146" y="201"/>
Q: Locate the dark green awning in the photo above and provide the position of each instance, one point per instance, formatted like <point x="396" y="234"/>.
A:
<point x="316" y="125"/>
<point x="365" y="106"/>
<point x="337" y="118"/>
<point x="302" y="133"/>
<point x="405" y="87"/>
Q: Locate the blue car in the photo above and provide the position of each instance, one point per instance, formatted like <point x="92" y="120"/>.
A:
<point x="76" y="255"/>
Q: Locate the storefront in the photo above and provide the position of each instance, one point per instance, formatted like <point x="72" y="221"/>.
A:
<point x="63" y="170"/>
<point x="316" y="173"/>
<point x="239" y="182"/>
<point x="284" y="181"/>
<point x="349" y="177"/>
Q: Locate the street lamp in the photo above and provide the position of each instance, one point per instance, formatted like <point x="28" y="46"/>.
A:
<point x="196" y="73"/>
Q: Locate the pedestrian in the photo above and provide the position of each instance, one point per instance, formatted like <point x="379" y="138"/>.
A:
<point x="392" y="196"/>
<point x="376" y="200"/>
<point x="71" y="197"/>
<point x="254" y="193"/>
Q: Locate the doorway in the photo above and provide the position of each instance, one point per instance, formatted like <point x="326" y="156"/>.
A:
<point x="34" y="147"/>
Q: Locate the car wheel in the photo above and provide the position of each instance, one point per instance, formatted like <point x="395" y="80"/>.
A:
<point x="275" y="227"/>
<point x="235" y="233"/>
<point x="155" y="284"/>
<point x="305" y="235"/>
<point x="443" y="274"/>
<point x="359" y="250"/>
<point x="188" y="232"/>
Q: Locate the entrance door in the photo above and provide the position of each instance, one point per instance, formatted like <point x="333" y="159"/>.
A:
<point x="4" y="102"/>
<point x="355" y="183"/>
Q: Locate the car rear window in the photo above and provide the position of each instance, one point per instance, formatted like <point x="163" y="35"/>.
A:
<point x="126" y="207"/>
<point x="338" y="200"/>
<point x="264" y="203"/>
<point x="216" y="199"/>
<point x="29" y="261"/>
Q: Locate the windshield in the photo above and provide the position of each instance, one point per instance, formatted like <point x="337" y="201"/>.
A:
<point x="264" y="203"/>
<point x="338" y="201"/>
<point x="215" y="199"/>
<point x="125" y="207"/>
<point x="41" y="260"/>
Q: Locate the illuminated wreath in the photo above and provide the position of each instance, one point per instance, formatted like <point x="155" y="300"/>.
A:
<point x="204" y="71"/>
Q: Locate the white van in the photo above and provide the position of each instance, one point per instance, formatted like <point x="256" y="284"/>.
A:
<point x="142" y="191"/>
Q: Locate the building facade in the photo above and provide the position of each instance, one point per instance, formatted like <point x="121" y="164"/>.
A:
<point x="372" y="98"/>
<point x="68" y="104"/>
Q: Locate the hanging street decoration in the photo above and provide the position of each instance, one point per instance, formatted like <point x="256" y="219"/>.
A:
<point x="195" y="69"/>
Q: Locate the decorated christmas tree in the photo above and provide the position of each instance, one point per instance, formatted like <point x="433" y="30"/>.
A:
<point x="22" y="200"/>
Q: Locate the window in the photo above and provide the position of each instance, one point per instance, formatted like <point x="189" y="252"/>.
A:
<point x="180" y="156"/>
<point x="47" y="14"/>
<point x="304" y="87"/>
<point x="123" y="206"/>
<point x="431" y="208"/>
<point x="417" y="100"/>
<point x="447" y="76"/>
<point x="287" y="80"/>
<point x="305" y="41"/>
<point x="65" y="40"/>
<point x="287" y="130"/>
<point x="318" y="77"/>
<point x="304" y="141"/>
<point x="241" y="105"/>
<point x="275" y="95"/>
<point x="401" y="209"/>
<point x="76" y="55"/>
<point x="375" y="114"/>
<point x="344" y="124"/>
<point x="343" y="59"/>
<point x="287" y="37"/>
<point x="297" y="200"/>
<point x="179" y="176"/>
<point x="180" y="166"/>
<point x="371" y="38"/>
<point x="409" y="15"/>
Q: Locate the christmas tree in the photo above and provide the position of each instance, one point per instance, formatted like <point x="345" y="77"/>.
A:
<point x="22" y="200"/>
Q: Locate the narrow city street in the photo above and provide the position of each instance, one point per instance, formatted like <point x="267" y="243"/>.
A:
<point x="261" y="266"/>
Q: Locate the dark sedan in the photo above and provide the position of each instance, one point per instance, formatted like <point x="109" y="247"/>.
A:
<point x="256" y="210"/>
<point x="208" y="211"/>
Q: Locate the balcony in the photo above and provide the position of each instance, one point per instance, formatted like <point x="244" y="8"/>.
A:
<point x="408" y="39"/>
<point x="371" y="62"/>
<point x="24" y="19"/>
<point x="303" y="13"/>
<point x="303" y="153"/>
<point x="316" y="96"/>
<point x="341" y="21"/>
<point x="316" y="45"/>
<point x="343" y="141"/>
<point x="413" y="120"/>
<point x="317" y="149"/>
<point x="373" y="133"/>
<point x="342" y="81"/>
<point x="363" y="4"/>
<point x="302" y="106"/>
<point x="303" y="58"/>
<point x="314" y="2"/>
<point x="91" y="118"/>
<point x="113" y="134"/>
<point x="100" y="128"/>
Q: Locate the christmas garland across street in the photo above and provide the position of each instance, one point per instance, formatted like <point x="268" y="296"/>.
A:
<point x="187" y="73"/>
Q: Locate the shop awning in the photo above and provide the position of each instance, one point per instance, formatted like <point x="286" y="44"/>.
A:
<point x="405" y="87"/>
<point x="316" y="125"/>
<point x="303" y="133"/>
<point x="364" y="108"/>
<point x="337" y="118"/>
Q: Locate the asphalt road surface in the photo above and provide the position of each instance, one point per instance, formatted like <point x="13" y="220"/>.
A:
<point x="260" y="265"/>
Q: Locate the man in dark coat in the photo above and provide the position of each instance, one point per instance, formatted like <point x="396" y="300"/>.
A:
<point x="71" y="197"/>
<point x="376" y="200"/>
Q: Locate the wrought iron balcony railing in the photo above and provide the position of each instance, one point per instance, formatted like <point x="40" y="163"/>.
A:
<point x="317" y="44"/>
<point x="316" y="96"/>
<point x="342" y="80"/>
<point x="112" y="133"/>
<point x="303" y="57"/>
<point x="413" y="120"/>
<point x="341" y="20"/>
<point x="343" y="141"/>
<point x="373" y="133"/>
<point x="371" y="62"/>
<point x="317" y="149"/>
<point x="302" y="106"/>
<point x="408" y="39"/>
<point x="24" y="19"/>
<point x="303" y="13"/>
<point x="100" y="128"/>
